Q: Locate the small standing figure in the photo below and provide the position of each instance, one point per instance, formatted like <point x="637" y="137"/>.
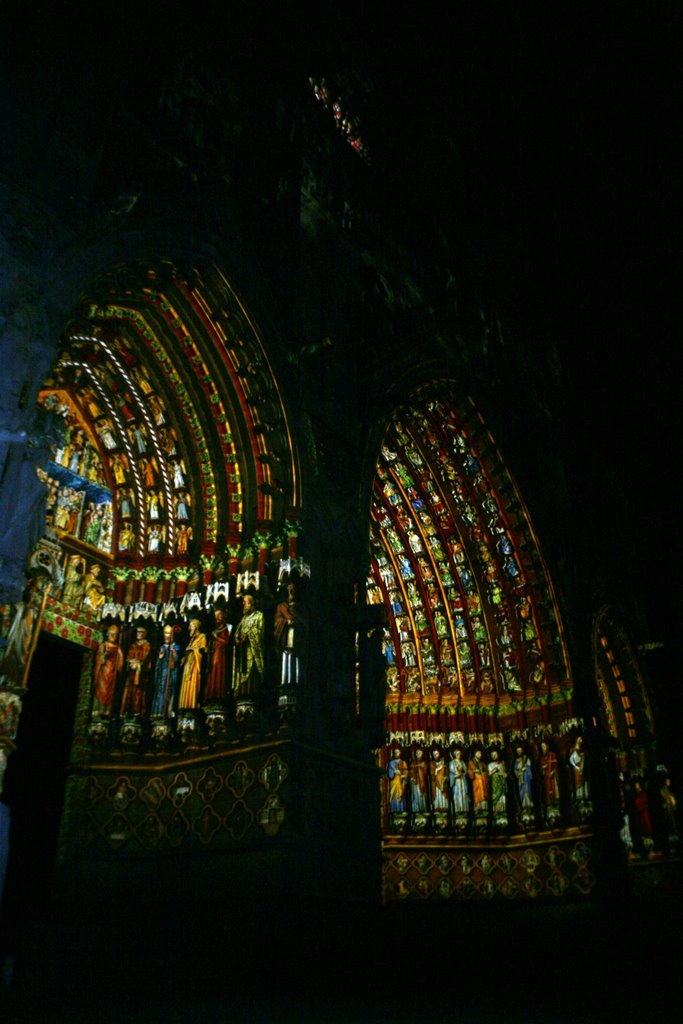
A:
<point x="178" y="474"/>
<point x="119" y="463"/>
<point x="183" y="537"/>
<point x="581" y="792"/>
<point x="499" y="790"/>
<point x="479" y="775"/>
<point x="138" y="436"/>
<point x="138" y="660"/>
<point x="290" y="632"/>
<point x="126" y="502"/>
<point x="93" y="526"/>
<point x="641" y="803"/>
<point x="73" y="584"/>
<point x="460" y="794"/>
<point x="165" y="680"/>
<point x="216" y="683"/>
<point x="193" y="663"/>
<point x="157" y="409"/>
<point x="668" y="802"/>
<point x="154" y="504"/>
<point x="521" y="767"/>
<point x="154" y="540"/>
<point x="438" y="778"/>
<point x="108" y="665"/>
<point x="419" y="771"/>
<point x="14" y="664"/>
<point x="93" y="589"/>
<point x="249" y="652"/>
<point x="181" y="502"/>
<point x="105" y="430"/>
<point x="550" y="786"/>
<point x="397" y="772"/>
<point x="126" y="538"/>
<point x="147" y="468"/>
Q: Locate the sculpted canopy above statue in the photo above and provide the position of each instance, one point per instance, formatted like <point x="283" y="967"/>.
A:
<point x="223" y="658"/>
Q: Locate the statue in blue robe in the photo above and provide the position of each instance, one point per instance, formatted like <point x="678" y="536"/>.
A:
<point x="165" y="680"/>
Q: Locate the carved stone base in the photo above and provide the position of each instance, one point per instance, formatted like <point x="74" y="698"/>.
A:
<point x="461" y="822"/>
<point x="440" y="821"/>
<point x="584" y="810"/>
<point x="99" y="733"/>
<point x="245" y="713"/>
<point x="552" y="816"/>
<point x="161" y="735"/>
<point x="286" y="704"/>
<point x="398" y="821"/>
<point x="525" y="816"/>
<point x="215" y="723"/>
<point x="481" y="822"/>
<point x="187" y="728"/>
<point x="130" y="733"/>
<point x="500" y="821"/>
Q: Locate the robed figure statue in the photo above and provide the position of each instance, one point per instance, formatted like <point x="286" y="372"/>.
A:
<point x="217" y="678"/>
<point x="165" y="680"/>
<point x="138" y="660"/>
<point x="193" y="662"/>
<point x="247" y="675"/>
<point x="108" y="665"/>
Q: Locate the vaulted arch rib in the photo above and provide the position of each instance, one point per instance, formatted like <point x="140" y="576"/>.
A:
<point x="169" y="379"/>
<point x="473" y="635"/>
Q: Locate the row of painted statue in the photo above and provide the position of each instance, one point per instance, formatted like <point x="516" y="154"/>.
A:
<point x="146" y="682"/>
<point x="649" y="814"/>
<point x="437" y="790"/>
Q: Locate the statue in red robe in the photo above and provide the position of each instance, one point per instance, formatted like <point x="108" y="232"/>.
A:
<point x="217" y="681"/>
<point x="108" y="665"/>
<point x="138" y="659"/>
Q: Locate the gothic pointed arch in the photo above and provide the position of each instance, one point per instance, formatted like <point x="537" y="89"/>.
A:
<point x="481" y="741"/>
<point x="640" y="779"/>
<point x="175" y="421"/>
<point x="473" y="628"/>
<point x="625" y="709"/>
